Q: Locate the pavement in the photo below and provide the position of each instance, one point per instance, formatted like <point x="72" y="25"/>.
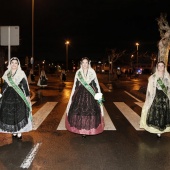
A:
<point x="120" y="149"/>
<point x="104" y="78"/>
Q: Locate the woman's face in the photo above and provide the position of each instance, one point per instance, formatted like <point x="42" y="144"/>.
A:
<point x="14" y="64"/>
<point x="161" y="67"/>
<point x="85" y="64"/>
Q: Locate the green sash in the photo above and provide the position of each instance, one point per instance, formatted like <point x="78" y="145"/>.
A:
<point x="164" y="89"/>
<point x="88" y="87"/>
<point x="19" y="91"/>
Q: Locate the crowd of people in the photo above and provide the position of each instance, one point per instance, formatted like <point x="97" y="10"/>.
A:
<point x="84" y="111"/>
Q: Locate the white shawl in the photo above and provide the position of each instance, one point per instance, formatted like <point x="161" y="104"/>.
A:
<point x="19" y="75"/>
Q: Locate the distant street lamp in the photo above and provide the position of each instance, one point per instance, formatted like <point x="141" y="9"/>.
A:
<point x="131" y="60"/>
<point x="33" y="34"/>
<point x="67" y="43"/>
<point x="137" y="44"/>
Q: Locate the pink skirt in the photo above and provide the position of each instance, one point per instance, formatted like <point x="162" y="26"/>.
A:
<point x="93" y="131"/>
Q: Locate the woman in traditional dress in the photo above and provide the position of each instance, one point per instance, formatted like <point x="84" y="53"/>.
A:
<point x="42" y="82"/>
<point x="155" y="117"/>
<point x="31" y="77"/>
<point x="15" y="110"/>
<point x="84" y="112"/>
<point x="63" y="76"/>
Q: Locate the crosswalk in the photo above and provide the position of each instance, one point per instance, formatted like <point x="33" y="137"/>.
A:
<point x="108" y="123"/>
<point x="42" y="113"/>
<point x="131" y="116"/>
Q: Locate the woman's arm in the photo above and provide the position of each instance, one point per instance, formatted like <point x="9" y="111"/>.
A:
<point x="24" y="86"/>
<point x="4" y="86"/>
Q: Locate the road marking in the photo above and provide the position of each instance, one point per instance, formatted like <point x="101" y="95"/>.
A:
<point x="105" y="89"/>
<point x="29" y="158"/>
<point x="61" y="126"/>
<point x="33" y="95"/>
<point x="140" y="104"/>
<point x="108" y="123"/>
<point x="42" y="113"/>
<point x="130" y="115"/>
<point x="32" y="102"/>
<point x="133" y="96"/>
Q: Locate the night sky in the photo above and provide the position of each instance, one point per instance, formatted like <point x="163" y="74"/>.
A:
<point x="92" y="26"/>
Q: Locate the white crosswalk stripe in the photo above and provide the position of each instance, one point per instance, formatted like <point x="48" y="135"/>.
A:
<point x="105" y="89"/>
<point x="130" y="115"/>
<point x="32" y="102"/>
<point x="42" y="113"/>
<point x="132" y="96"/>
<point x="140" y="104"/>
<point x="61" y="126"/>
<point x="108" y="123"/>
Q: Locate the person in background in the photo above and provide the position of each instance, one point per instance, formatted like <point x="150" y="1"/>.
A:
<point x="84" y="112"/>
<point x="42" y="82"/>
<point x="15" y="108"/>
<point x="31" y="77"/>
<point x="118" y="72"/>
<point x="155" y="117"/>
<point x="63" y="76"/>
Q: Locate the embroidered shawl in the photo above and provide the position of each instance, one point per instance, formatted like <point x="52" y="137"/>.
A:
<point x="19" y="75"/>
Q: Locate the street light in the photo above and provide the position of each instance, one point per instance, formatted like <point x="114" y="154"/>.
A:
<point x="32" y="35"/>
<point x="137" y="44"/>
<point x="131" y="60"/>
<point x="67" y="43"/>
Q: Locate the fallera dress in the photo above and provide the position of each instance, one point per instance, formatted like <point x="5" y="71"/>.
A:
<point x="155" y="117"/>
<point x="43" y="81"/>
<point x="15" y="114"/>
<point x="84" y="115"/>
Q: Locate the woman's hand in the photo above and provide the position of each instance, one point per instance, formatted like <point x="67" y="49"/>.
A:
<point x="98" y="96"/>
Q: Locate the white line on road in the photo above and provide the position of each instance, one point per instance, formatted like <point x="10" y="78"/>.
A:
<point x="61" y="126"/>
<point x="133" y="96"/>
<point x="42" y="113"/>
<point x="139" y="104"/>
<point x="33" y="95"/>
<point x="32" y="102"/>
<point x="29" y="158"/>
<point x="130" y="115"/>
<point x="105" y="89"/>
<point x="108" y="123"/>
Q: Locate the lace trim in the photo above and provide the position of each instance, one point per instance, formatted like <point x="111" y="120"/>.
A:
<point x="14" y="128"/>
<point x="84" y="122"/>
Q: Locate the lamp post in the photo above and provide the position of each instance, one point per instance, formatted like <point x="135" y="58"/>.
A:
<point x="67" y="43"/>
<point x="32" y="35"/>
<point x="137" y="44"/>
<point x="131" y="58"/>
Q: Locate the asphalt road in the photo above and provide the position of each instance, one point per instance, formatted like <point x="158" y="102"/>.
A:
<point x="121" y="146"/>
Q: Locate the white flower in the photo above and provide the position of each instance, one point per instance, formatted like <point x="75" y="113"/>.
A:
<point x="0" y="95"/>
<point x="98" y="96"/>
